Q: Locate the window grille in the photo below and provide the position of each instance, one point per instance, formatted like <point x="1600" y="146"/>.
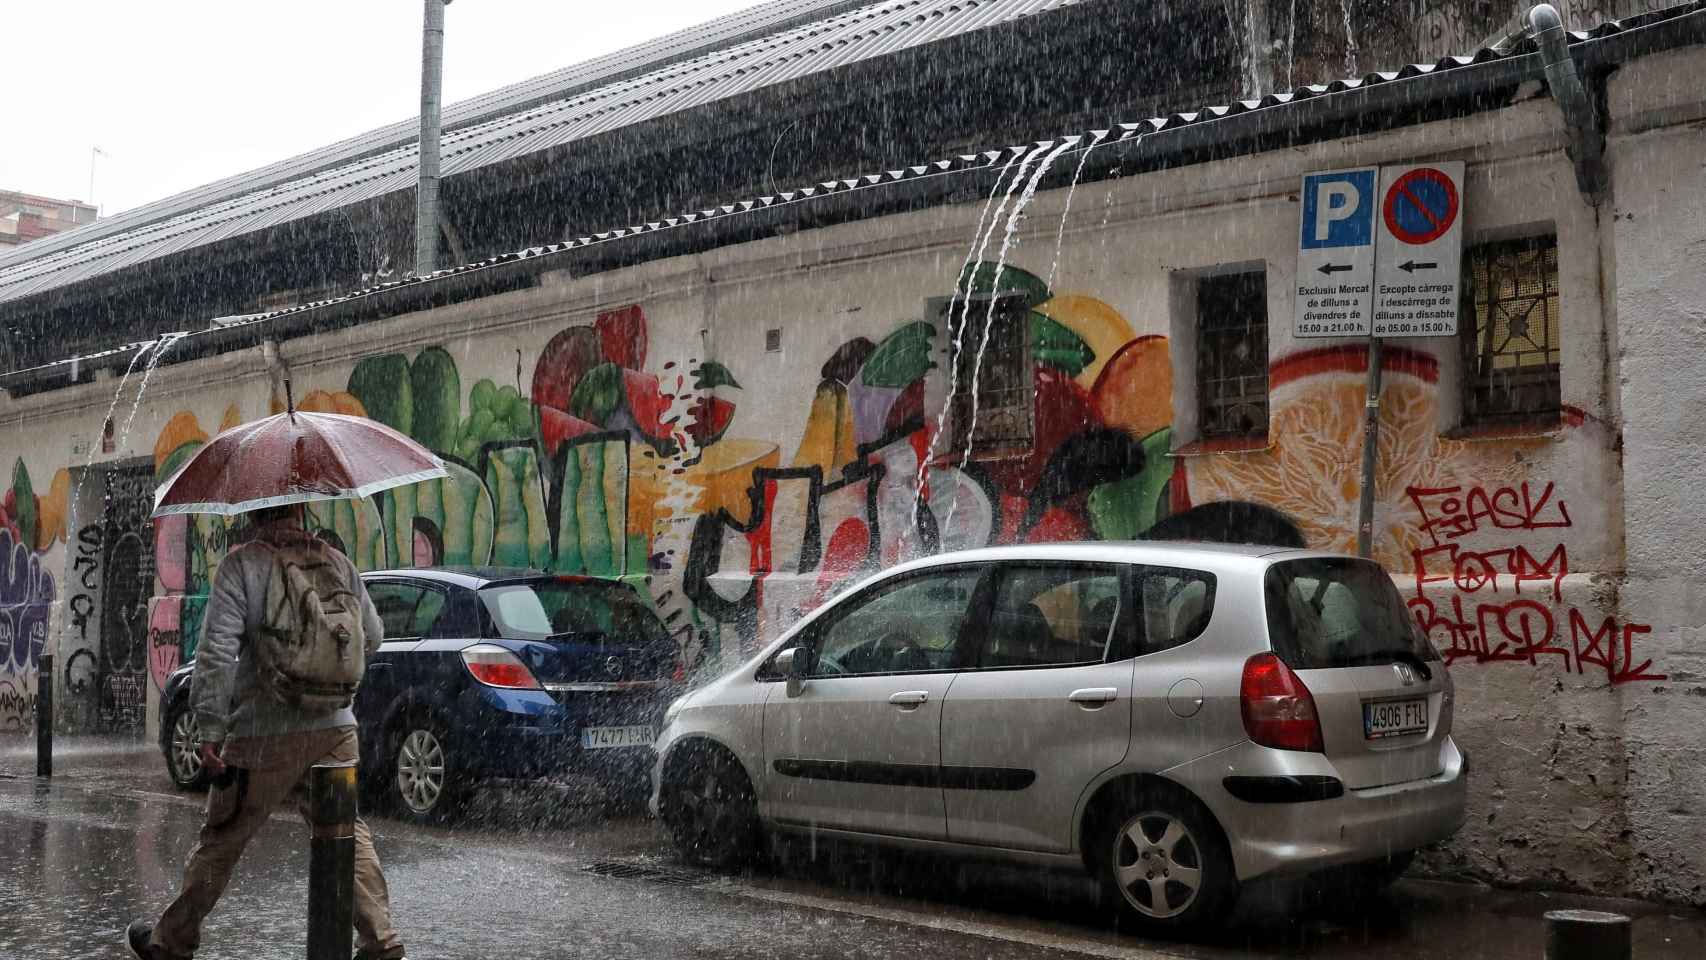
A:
<point x="999" y="418"/>
<point x="1232" y="355"/>
<point x="1510" y="331"/>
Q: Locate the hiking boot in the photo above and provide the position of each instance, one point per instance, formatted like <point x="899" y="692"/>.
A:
<point x="371" y="953"/>
<point x="136" y="937"/>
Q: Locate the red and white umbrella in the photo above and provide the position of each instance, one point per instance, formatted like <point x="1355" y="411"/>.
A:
<point x="295" y="457"/>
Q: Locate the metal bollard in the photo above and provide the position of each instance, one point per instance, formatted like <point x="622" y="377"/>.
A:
<point x="1587" y="935"/>
<point x="331" y="861"/>
<point x="44" y="716"/>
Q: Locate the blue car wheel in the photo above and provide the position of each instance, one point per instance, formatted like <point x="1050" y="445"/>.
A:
<point x="183" y="747"/>
<point x="424" y="778"/>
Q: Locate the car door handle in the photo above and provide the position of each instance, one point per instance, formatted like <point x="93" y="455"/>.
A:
<point x="1093" y="696"/>
<point x="909" y="698"/>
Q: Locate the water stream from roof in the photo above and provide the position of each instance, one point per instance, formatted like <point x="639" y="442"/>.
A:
<point x="980" y="239"/>
<point x="1350" y="39"/>
<point x="161" y="346"/>
<point x="1009" y="231"/>
<point x="1096" y="138"/>
<point x="74" y="522"/>
<point x="1290" y="45"/>
<point x="672" y="537"/>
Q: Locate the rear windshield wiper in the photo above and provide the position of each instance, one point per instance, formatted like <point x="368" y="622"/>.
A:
<point x="1409" y="657"/>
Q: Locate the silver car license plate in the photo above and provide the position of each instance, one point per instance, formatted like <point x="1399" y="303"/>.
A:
<point x="604" y="738"/>
<point x="1394" y="718"/>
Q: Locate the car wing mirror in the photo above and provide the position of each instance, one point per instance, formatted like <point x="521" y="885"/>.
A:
<point x="788" y="664"/>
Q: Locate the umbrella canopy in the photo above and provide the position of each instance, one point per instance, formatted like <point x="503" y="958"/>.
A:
<point x="295" y="457"/>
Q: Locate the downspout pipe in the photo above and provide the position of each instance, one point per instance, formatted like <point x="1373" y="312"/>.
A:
<point x="278" y="372"/>
<point x="1586" y="145"/>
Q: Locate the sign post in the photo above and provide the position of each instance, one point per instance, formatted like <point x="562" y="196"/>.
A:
<point x="1380" y="254"/>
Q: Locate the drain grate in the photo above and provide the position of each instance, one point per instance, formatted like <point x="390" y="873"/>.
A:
<point x="626" y="870"/>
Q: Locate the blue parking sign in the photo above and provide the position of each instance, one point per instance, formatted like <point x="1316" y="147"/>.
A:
<point x="1338" y="209"/>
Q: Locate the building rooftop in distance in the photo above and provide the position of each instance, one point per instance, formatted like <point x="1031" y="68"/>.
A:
<point x="25" y="217"/>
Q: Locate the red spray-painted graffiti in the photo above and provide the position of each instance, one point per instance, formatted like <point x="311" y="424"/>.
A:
<point x="1484" y="623"/>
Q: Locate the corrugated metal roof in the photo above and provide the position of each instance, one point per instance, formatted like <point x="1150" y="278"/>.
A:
<point x="734" y="28"/>
<point x="213" y="213"/>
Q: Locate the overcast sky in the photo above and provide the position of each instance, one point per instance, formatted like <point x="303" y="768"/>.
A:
<point x="181" y="93"/>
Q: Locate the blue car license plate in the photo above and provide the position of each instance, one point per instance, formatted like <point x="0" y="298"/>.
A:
<point x="605" y="738"/>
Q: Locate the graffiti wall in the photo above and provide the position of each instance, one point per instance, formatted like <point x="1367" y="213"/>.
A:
<point x="30" y="525"/>
<point x="601" y="456"/>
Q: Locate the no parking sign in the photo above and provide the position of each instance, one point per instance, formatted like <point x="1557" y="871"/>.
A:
<point x="1418" y="257"/>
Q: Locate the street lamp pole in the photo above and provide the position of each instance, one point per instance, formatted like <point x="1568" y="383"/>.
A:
<point x="426" y="193"/>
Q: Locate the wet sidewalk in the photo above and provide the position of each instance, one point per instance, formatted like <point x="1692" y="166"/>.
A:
<point x="534" y="875"/>
<point x="83" y="756"/>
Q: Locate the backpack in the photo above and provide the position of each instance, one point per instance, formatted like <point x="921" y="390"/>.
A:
<point x="309" y="647"/>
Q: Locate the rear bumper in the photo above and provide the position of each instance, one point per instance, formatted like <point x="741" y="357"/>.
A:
<point x="522" y="735"/>
<point x="1300" y="823"/>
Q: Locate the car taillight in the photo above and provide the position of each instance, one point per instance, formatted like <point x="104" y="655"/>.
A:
<point x="494" y="666"/>
<point x="1278" y="710"/>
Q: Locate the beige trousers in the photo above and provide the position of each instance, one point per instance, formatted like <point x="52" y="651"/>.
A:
<point x="277" y="768"/>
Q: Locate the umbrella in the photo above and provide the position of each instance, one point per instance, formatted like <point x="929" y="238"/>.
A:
<point x="295" y="457"/>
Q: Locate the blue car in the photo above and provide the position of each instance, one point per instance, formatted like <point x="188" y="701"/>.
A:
<point x="487" y="674"/>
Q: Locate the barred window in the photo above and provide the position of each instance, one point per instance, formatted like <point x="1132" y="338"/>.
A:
<point x="1510" y="331"/>
<point x="1232" y="355"/>
<point x="992" y="399"/>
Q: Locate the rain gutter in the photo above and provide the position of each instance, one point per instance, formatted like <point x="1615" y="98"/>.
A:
<point x="1586" y="148"/>
<point x="1145" y="147"/>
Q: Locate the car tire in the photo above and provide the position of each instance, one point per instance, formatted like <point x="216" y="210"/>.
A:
<point x="183" y="747"/>
<point x="423" y="782"/>
<point x="1164" y="862"/>
<point x="710" y="810"/>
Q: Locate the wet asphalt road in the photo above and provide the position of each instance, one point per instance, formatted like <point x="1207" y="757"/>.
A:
<point x="544" y="872"/>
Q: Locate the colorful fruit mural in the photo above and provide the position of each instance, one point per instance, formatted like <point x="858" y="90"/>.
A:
<point x="541" y="479"/>
<point x="610" y="462"/>
<point x="1098" y="465"/>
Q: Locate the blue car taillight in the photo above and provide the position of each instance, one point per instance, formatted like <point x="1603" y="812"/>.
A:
<point x="494" y="666"/>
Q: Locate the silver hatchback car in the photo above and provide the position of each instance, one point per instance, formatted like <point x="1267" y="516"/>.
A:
<point x="1177" y="719"/>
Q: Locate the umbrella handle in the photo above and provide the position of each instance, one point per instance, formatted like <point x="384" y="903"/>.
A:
<point x="289" y="400"/>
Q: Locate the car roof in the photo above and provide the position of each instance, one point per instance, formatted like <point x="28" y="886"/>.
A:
<point x="475" y="577"/>
<point x="462" y="576"/>
<point x="1156" y="552"/>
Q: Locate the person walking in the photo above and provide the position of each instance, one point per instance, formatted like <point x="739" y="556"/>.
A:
<point x="257" y="744"/>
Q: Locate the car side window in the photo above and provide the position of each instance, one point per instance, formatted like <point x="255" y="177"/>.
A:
<point x="1052" y="614"/>
<point x="396" y="603"/>
<point x="1176" y="606"/>
<point x="428" y="612"/>
<point x="907" y="625"/>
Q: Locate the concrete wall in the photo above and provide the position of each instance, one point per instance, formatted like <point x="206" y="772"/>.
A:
<point x="635" y="424"/>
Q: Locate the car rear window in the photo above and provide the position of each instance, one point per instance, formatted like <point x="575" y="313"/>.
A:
<point x="591" y="612"/>
<point x="1339" y="612"/>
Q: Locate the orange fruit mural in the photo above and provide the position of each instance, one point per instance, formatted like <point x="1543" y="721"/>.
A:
<point x="1311" y="469"/>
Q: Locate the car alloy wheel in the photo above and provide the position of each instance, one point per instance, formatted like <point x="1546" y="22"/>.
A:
<point x="420" y="771"/>
<point x="711" y="811"/>
<point x="1158" y="865"/>
<point x="185" y="753"/>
